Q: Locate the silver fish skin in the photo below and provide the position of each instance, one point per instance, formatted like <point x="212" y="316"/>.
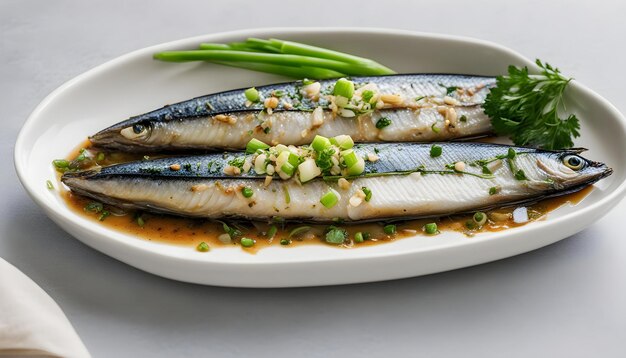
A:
<point x="434" y="107"/>
<point x="406" y="182"/>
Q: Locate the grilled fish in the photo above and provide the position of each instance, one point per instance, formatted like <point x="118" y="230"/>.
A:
<point x="415" y="107"/>
<point x="404" y="179"/>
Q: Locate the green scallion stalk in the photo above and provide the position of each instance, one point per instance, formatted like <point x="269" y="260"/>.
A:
<point x="343" y="141"/>
<point x="271" y="58"/>
<point x="289" y="71"/>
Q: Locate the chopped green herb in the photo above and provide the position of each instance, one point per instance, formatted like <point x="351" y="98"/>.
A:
<point x="368" y="193"/>
<point x="94" y="207"/>
<point x="417" y="99"/>
<point x="232" y="232"/>
<point x="100" y="157"/>
<point x="486" y="170"/>
<point x="389" y="229"/>
<point x="286" y="190"/>
<point x="104" y="215"/>
<point x="435" y="128"/>
<point x="203" y="247"/>
<point x="49" y="185"/>
<point x="383" y="122"/>
<point x="449" y="90"/>
<point x="278" y="93"/>
<point x="358" y="237"/>
<point x="520" y="175"/>
<point x="285" y="242"/>
<point x="494" y="190"/>
<point x="431" y="228"/>
<point x="237" y="162"/>
<point x="463" y="118"/>
<point x="336" y="235"/>
<point x="266" y="130"/>
<point x="140" y="221"/>
<point x="320" y="143"/>
<point x="247" y="242"/>
<point x="435" y="151"/>
<point x="511" y="153"/>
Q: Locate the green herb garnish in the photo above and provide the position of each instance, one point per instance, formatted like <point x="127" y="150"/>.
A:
<point x="383" y="122"/>
<point x="335" y="235"/>
<point x="526" y="108"/>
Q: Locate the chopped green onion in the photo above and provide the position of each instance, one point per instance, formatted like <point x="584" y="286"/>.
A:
<point x="344" y="88"/>
<point x="287" y="196"/>
<point x="486" y="170"/>
<point x="308" y="170"/>
<point x="288" y="169"/>
<point x="100" y="157"/>
<point x="285" y="242"/>
<point x="435" y="151"/>
<point x="343" y="141"/>
<point x="383" y="122"/>
<point x="463" y="118"/>
<point x="254" y="145"/>
<point x="247" y="192"/>
<point x="252" y="94"/>
<point x="330" y="199"/>
<point x="61" y="163"/>
<point x="367" y="95"/>
<point x="431" y="228"/>
<point x="299" y="231"/>
<point x="294" y="159"/>
<point x="278" y="93"/>
<point x="320" y="143"/>
<point x="358" y="237"/>
<point x="271" y="232"/>
<point x="140" y="221"/>
<point x="480" y="218"/>
<point x="368" y="193"/>
<point x="358" y="168"/>
<point x="203" y="247"/>
<point x="435" y="128"/>
<point x="49" y="185"/>
<point x="247" y="242"/>
<point x="389" y="229"/>
<point x="494" y="190"/>
<point x="349" y="157"/>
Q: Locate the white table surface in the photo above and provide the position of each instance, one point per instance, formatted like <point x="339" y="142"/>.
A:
<point x="565" y="300"/>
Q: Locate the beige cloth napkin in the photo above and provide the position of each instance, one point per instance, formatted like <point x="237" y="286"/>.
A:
<point x="31" y="323"/>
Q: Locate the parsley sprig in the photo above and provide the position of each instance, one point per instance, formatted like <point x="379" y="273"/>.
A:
<point x="526" y="108"/>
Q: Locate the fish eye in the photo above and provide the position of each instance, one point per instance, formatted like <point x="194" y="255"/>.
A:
<point x="137" y="131"/>
<point x="573" y="162"/>
<point x="138" y="128"/>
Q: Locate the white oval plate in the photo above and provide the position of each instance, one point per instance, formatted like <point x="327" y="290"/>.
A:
<point x="134" y="83"/>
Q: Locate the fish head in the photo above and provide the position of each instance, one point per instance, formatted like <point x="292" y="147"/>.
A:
<point x="134" y="132"/>
<point x="568" y="168"/>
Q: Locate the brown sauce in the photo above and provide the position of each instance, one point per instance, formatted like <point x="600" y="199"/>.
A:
<point x="191" y="232"/>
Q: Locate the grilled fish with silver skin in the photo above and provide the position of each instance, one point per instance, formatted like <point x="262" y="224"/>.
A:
<point x="420" y="107"/>
<point x="405" y="181"/>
